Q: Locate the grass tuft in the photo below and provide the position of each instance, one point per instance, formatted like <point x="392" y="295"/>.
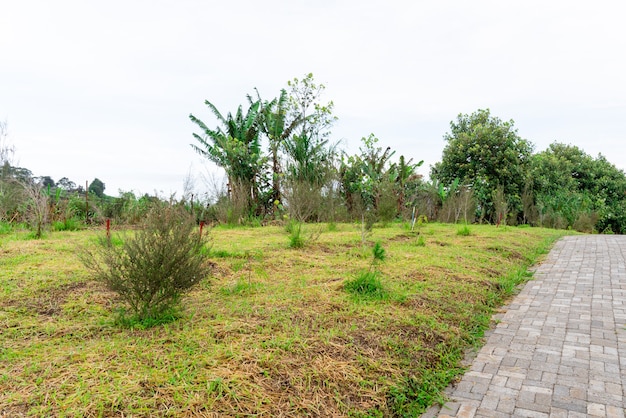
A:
<point x="367" y="285"/>
<point x="464" y="231"/>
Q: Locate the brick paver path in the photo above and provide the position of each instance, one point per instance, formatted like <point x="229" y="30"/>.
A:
<point x="559" y="350"/>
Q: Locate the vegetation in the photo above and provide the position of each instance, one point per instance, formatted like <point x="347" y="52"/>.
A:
<point x="273" y="332"/>
<point x="152" y="268"/>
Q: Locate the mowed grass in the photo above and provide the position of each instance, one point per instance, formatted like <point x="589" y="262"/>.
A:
<point x="272" y="333"/>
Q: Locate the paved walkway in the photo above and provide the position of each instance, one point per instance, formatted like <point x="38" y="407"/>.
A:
<point x="559" y="350"/>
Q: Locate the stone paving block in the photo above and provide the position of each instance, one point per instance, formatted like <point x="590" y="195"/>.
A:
<point x="559" y="348"/>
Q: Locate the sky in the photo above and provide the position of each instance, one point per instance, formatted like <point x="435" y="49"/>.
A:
<point x="103" y="89"/>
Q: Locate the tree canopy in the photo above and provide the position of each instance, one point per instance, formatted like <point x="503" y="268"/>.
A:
<point x="485" y="153"/>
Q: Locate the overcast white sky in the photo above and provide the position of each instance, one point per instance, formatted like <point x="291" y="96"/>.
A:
<point x="104" y="88"/>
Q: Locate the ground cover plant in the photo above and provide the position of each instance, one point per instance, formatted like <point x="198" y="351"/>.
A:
<point x="271" y="333"/>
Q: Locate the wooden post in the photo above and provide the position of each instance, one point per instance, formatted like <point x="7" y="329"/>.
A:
<point x="86" y="202"/>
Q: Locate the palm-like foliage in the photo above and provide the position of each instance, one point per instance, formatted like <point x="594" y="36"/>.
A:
<point x="278" y="126"/>
<point x="234" y="146"/>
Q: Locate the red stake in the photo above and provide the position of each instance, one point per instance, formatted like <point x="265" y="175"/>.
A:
<point x="201" y="227"/>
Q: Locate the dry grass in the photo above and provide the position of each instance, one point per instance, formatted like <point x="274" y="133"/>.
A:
<point x="272" y="334"/>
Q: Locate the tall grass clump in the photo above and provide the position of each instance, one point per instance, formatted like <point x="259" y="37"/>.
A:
<point x="464" y="231"/>
<point x="153" y="268"/>
<point x="367" y="283"/>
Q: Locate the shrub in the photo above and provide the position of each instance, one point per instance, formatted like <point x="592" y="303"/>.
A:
<point x="295" y="236"/>
<point x="464" y="231"/>
<point x="151" y="269"/>
<point x="366" y="284"/>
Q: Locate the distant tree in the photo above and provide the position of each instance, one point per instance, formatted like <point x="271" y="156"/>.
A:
<point x="484" y="152"/>
<point x="405" y="179"/>
<point x="66" y="184"/>
<point x="96" y="187"/>
<point x="46" y="181"/>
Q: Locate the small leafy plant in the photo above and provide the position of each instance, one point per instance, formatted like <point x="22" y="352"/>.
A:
<point x="367" y="283"/>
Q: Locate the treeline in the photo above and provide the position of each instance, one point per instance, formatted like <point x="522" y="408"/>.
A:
<point x="281" y="164"/>
<point x="488" y="173"/>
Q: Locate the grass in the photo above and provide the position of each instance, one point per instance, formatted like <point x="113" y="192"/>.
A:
<point x="272" y="333"/>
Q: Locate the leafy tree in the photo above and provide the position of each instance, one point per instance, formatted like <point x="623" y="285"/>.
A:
<point x="96" y="187"/>
<point x="485" y="152"/>
<point x="569" y="184"/>
<point x="66" y="184"/>
<point x="405" y="180"/>
<point x="46" y="181"/>
<point x="307" y="151"/>
<point x="278" y="125"/>
<point x="236" y="147"/>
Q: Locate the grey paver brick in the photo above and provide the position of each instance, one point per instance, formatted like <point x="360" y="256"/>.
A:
<point x="559" y="348"/>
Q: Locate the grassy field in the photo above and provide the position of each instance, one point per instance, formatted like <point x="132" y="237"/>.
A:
<point x="272" y="333"/>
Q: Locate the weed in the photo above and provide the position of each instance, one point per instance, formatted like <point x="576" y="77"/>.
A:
<point x="421" y="241"/>
<point x="68" y="224"/>
<point x="366" y="284"/>
<point x="295" y="236"/>
<point x="464" y="231"/>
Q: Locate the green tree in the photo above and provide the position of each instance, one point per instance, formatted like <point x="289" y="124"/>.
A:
<point x="96" y="187"/>
<point x="569" y="184"/>
<point x="484" y="152"/>
<point x="278" y="125"/>
<point x="371" y="183"/>
<point x="308" y="153"/>
<point x="236" y="147"/>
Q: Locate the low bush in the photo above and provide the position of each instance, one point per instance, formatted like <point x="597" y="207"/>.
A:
<point x="151" y="269"/>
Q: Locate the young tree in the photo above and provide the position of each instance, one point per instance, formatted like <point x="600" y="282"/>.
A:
<point x="308" y="152"/>
<point x="96" y="187"/>
<point x="278" y="125"/>
<point x="484" y="152"/>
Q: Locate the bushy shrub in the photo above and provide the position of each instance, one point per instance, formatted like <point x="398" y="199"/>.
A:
<point x="151" y="269"/>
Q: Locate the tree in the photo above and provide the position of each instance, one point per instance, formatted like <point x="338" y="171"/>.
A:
<point x="66" y="184"/>
<point x="484" y="152"/>
<point x="96" y="187"/>
<point x="406" y="181"/>
<point x="571" y="185"/>
<point x="278" y="126"/>
<point x="308" y="152"/>
<point x="235" y="146"/>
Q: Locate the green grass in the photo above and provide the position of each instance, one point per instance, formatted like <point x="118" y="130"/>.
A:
<point x="274" y="331"/>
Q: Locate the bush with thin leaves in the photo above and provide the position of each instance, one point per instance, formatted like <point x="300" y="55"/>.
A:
<point x="151" y="269"/>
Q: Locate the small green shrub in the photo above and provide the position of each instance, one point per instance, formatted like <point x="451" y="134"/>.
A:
<point x="464" y="231"/>
<point x="151" y="269"/>
<point x="5" y="228"/>
<point x="69" y="224"/>
<point x="421" y="241"/>
<point x="366" y="284"/>
<point x="296" y="240"/>
<point x="379" y="254"/>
